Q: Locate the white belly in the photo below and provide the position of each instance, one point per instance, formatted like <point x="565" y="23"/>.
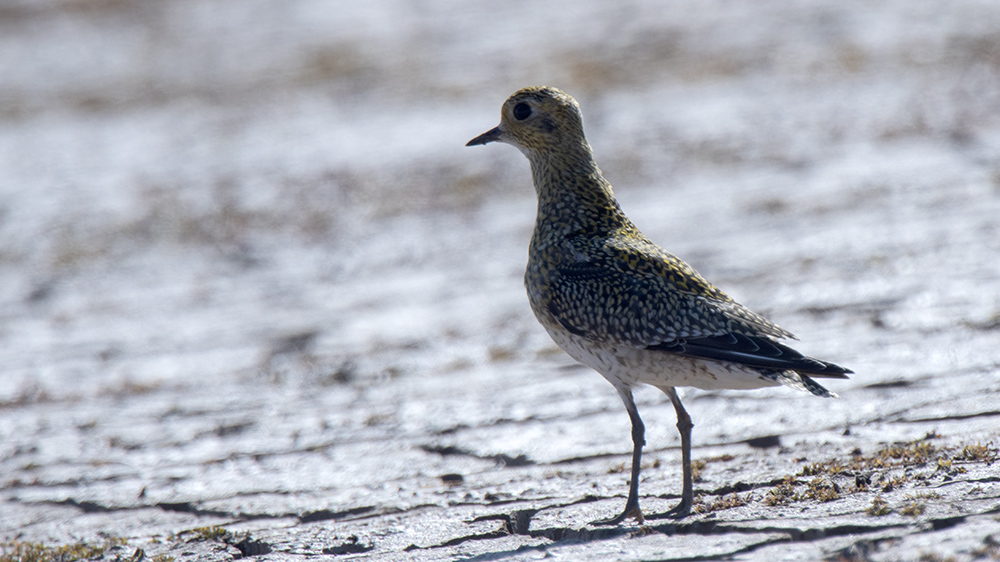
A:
<point x="628" y="366"/>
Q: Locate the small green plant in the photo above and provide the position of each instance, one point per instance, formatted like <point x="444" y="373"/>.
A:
<point x="697" y="466"/>
<point x="831" y="467"/>
<point x="879" y="507"/>
<point x="913" y="508"/>
<point x="908" y="454"/>
<point x="782" y="493"/>
<point x="887" y="469"/>
<point x="725" y="502"/>
<point x="822" y="490"/>
<point x="17" y="551"/>
<point x="977" y="452"/>
<point x="819" y="489"/>
<point x="211" y="533"/>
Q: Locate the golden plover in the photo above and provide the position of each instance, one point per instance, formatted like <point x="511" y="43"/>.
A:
<point x="620" y="304"/>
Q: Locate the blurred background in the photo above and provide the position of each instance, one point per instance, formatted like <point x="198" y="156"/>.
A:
<point x="256" y="221"/>
<point x="167" y="167"/>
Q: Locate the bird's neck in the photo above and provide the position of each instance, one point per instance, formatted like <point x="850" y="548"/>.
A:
<point x="573" y="198"/>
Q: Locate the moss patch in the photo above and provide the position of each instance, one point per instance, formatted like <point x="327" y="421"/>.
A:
<point x="17" y="551"/>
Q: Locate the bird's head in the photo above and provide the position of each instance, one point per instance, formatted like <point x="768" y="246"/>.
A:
<point x="537" y="120"/>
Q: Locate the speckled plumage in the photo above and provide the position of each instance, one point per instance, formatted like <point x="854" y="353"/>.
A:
<point x="620" y="304"/>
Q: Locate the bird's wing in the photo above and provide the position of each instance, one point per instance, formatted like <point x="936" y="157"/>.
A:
<point x="758" y="352"/>
<point x="607" y="304"/>
<point x="632" y="292"/>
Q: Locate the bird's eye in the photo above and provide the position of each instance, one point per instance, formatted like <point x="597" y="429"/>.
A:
<point x="521" y="111"/>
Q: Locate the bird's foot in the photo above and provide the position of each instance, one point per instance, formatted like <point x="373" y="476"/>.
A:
<point x="631" y="510"/>
<point x="680" y="511"/>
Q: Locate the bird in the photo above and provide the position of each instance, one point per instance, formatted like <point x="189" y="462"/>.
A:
<point x="621" y="305"/>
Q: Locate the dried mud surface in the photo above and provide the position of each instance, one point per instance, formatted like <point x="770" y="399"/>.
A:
<point x="259" y="301"/>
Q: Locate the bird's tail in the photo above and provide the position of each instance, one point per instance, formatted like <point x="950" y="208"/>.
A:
<point x="801" y="382"/>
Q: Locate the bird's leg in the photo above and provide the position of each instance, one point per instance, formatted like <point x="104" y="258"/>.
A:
<point x="638" y="440"/>
<point x="684" y="426"/>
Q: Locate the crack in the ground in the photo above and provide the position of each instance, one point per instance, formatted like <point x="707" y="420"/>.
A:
<point x="726" y="555"/>
<point x="188" y="507"/>
<point x="87" y="506"/>
<point x="500" y="533"/>
<point x="84" y="506"/>
<point x="327" y="515"/>
<point x="501" y="459"/>
<point x="737" y="487"/>
<point x="518" y="523"/>
<point x="743" y="487"/>
<point x="352" y="513"/>
<point x="951" y="417"/>
<point x="71" y="482"/>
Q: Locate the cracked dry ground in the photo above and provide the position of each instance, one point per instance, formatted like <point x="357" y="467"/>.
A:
<point x="413" y="449"/>
<point x="391" y="430"/>
<point x="230" y="325"/>
<point x="911" y="480"/>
